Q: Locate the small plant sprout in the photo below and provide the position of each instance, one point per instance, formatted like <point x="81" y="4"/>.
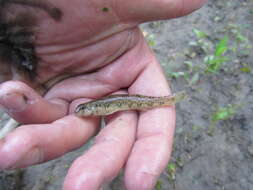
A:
<point x="171" y="170"/>
<point x="199" y="34"/>
<point x="158" y="185"/>
<point x="177" y="74"/>
<point x="150" y="38"/>
<point x="214" y="62"/>
<point x="201" y="40"/>
<point x="224" y="113"/>
<point x="245" y="69"/>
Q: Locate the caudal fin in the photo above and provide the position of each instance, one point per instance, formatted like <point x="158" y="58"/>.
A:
<point x="179" y="96"/>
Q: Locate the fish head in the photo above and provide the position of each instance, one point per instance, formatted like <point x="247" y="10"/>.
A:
<point x="84" y="110"/>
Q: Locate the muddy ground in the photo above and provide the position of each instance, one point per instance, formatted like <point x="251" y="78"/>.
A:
<point x="213" y="146"/>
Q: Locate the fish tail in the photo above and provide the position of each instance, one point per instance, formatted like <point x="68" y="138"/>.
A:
<point x="180" y="96"/>
<point x="175" y="98"/>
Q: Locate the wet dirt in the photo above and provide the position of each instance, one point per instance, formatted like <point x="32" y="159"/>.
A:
<point x="212" y="150"/>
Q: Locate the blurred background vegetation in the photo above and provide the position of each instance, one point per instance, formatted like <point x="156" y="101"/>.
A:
<point x="209" y="55"/>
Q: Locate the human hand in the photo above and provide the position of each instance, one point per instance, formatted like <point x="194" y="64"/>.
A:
<point x="95" y="49"/>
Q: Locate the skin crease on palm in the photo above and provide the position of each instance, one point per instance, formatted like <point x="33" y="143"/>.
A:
<point x="103" y="51"/>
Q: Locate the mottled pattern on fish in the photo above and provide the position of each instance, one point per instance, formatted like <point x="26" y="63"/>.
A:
<point x="121" y="102"/>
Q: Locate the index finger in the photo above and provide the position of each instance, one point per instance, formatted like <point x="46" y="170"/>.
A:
<point x="152" y="149"/>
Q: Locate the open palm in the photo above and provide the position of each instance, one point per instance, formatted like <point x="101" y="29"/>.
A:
<point x="94" y="50"/>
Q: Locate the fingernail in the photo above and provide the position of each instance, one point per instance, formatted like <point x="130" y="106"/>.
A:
<point x="32" y="157"/>
<point x="13" y="102"/>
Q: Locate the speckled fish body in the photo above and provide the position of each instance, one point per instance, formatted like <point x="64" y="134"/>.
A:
<point x="122" y="102"/>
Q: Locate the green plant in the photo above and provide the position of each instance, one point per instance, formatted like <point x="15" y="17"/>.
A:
<point x="223" y="113"/>
<point x="201" y="41"/>
<point x="240" y="39"/>
<point x="176" y="75"/>
<point x="171" y="170"/>
<point x="158" y="185"/>
<point x="151" y="40"/>
<point x="245" y="69"/>
<point x="213" y="62"/>
<point x="199" y="34"/>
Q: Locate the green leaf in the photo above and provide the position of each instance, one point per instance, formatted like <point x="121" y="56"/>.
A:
<point x="151" y="40"/>
<point x="171" y="168"/>
<point x="245" y="69"/>
<point x="221" y="47"/>
<point x="189" y="64"/>
<point x="199" y="34"/>
<point x="224" y="113"/>
<point x="241" y="38"/>
<point x="158" y="185"/>
<point x="176" y="74"/>
<point x="194" y="79"/>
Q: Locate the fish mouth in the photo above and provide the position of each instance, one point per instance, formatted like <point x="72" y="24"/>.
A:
<point x="78" y="109"/>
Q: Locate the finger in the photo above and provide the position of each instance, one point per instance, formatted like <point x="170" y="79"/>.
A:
<point x="155" y="10"/>
<point x="103" y="161"/>
<point x="26" y="106"/>
<point x="152" y="149"/>
<point x="32" y="144"/>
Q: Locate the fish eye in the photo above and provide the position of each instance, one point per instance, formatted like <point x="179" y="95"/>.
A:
<point x="79" y="108"/>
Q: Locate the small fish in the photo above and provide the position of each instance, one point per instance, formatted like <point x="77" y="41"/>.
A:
<point x="121" y="102"/>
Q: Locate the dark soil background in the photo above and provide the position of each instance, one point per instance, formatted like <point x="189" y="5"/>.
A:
<point x="213" y="148"/>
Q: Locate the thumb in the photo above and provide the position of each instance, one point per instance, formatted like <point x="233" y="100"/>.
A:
<point x="144" y="11"/>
